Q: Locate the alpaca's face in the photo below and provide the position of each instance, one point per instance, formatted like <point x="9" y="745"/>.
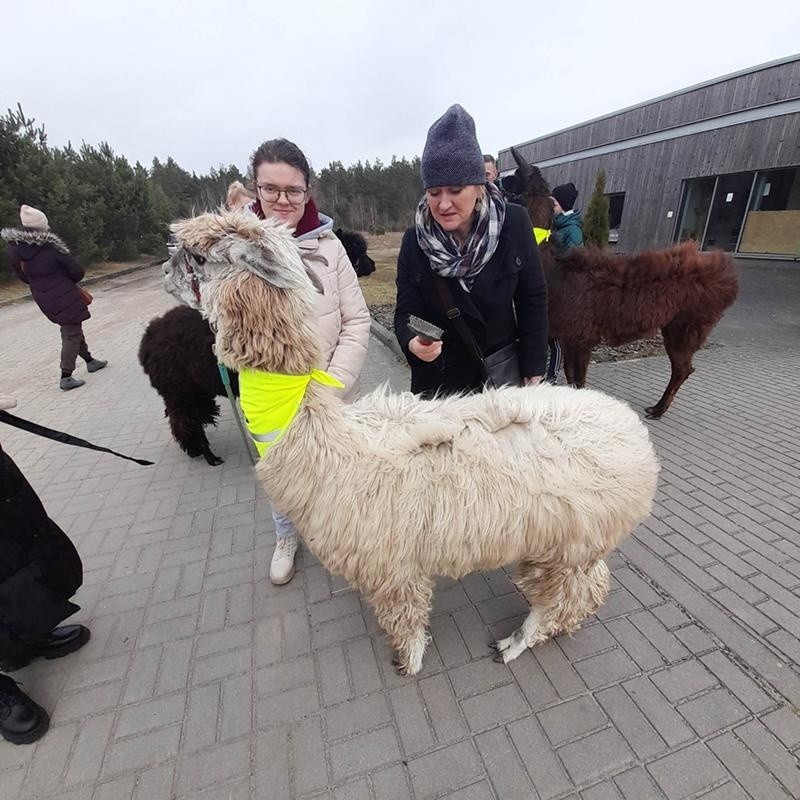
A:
<point x="185" y="273"/>
<point x="528" y="186"/>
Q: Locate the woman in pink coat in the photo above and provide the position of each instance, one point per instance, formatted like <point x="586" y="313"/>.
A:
<point x="282" y="176"/>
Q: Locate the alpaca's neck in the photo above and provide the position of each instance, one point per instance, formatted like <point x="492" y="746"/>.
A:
<point x="303" y="477"/>
<point x="299" y="473"/>
<point x="260" y="327"/>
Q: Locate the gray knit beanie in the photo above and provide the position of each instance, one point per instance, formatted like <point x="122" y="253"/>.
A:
<point x="452" y="155"/>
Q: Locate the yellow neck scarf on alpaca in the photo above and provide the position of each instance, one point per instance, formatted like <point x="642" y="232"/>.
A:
<point x="270" y="402"/>
<point x="541" y="234"/>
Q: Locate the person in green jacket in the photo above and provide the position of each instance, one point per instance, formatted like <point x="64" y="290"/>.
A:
<point x="567" y="231"/>
<point x="567" y="220"/>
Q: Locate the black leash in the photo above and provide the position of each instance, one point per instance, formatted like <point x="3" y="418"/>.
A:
<point x="64" y="438"/>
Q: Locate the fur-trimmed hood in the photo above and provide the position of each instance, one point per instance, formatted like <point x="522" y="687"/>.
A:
<point x="37" y="238"/>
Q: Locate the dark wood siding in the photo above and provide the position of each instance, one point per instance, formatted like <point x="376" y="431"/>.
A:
<point x="651" y="175"/>
<point x="780" y="82"/>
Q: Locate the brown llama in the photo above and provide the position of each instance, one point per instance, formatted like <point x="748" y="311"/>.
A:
<point x="597" y="297"/>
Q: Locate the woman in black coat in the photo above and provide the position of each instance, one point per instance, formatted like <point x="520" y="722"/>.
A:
<point x="468" y="239"/>
<point x="40" y="569"/>
<point x="40" y="259"/>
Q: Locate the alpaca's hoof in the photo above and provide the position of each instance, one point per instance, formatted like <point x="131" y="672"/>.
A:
<point x="399" y="668"/>
<point x="212" y="460"/>
<point x="653" y="412"/>
<point x="511" y="647"/>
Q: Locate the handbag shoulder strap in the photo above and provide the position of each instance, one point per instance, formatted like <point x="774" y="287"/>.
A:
<point x="453" y="313"/>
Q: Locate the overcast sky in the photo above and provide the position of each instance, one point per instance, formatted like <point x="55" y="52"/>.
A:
<point x="206" y="82"/>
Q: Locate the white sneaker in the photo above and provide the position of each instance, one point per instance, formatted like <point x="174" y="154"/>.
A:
<point x="281" y="569"/>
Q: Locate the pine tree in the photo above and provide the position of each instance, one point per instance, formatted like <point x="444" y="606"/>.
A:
<point x="105" y="208"/>
<point x="595" y="223"/>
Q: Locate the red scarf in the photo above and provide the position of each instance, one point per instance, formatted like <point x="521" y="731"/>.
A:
<point x="308" y="222"/>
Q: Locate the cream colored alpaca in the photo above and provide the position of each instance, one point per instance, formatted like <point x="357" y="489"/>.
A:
<point x="393" y="490"/>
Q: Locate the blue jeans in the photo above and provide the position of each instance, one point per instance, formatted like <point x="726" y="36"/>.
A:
<point x="284" y="527"/>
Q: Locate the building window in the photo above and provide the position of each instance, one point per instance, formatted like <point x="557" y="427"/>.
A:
<point x="728" y="211"/>
<point x="695" y="205"/>
<point x="616" y="202"/>
<point x="772" y="225"/>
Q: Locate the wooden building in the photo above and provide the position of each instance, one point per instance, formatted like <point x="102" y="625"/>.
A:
<point x="718" y="162"/>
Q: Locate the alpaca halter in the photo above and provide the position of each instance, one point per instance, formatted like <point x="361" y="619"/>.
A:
<point x="270" y="402"/>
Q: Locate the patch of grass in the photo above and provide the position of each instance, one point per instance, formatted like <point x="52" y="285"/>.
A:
<point x="379" y="288"/>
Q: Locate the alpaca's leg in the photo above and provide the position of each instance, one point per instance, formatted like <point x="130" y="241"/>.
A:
<point x="515" y="645"/>
<point x="681" y="341"/>
<point x="402" y="611"/>
<point x="187" y="423"/>
<point x="560" y="597"/>
<point x="580" y="366"/>
<point x="576" y="363"/>
<point x="566" y="354"/>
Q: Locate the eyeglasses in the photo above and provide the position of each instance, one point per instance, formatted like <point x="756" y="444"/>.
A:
<point x="271" y="194"/>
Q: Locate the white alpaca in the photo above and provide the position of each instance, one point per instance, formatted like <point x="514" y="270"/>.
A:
<point x="393" y="490"/>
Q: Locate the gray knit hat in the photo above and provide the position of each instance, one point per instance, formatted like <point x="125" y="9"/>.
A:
<point x="452" y="155"/>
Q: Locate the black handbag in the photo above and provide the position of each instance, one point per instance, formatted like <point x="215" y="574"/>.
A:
<point x="500" y="368"/>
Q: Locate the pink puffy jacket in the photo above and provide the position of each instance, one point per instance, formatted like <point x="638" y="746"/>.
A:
<point x="342" y="313"/>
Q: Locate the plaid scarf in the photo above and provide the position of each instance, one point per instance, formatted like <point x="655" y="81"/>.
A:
<point x="446" y="258"/>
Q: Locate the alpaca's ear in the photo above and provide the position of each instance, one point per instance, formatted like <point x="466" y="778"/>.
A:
<point x="280" y="271"/>
<point x="522" y="164"/>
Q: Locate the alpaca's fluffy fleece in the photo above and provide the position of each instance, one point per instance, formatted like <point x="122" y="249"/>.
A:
<point x="176" y="353"/>
<point x="397" y="490"/>
<point x="596" y="296"/>
<point x="394" y="490"/>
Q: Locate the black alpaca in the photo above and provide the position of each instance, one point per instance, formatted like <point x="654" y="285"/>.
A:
<point x="356" y="246"/>
<point x="176" y="354"/>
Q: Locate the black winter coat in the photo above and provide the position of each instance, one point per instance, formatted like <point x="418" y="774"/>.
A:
<point x="508" y="302"/>
<point x="51" y="272"/>
<point x="40" y="569"/>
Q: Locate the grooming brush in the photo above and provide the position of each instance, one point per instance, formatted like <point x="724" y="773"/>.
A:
<point x="427" y="332"/>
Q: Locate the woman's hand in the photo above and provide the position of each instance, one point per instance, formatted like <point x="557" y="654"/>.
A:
<point x="533" y="381"/>
<point x="425" y="352"/>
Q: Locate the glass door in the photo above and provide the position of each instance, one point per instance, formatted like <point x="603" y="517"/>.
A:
<point x="695" y="205"/>
<point x="728" y="210"/>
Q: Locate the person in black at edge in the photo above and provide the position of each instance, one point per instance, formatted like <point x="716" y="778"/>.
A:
<point x="40" y="569"/>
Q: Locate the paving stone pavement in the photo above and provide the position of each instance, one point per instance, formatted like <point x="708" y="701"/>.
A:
<point x="202" y="680"/>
